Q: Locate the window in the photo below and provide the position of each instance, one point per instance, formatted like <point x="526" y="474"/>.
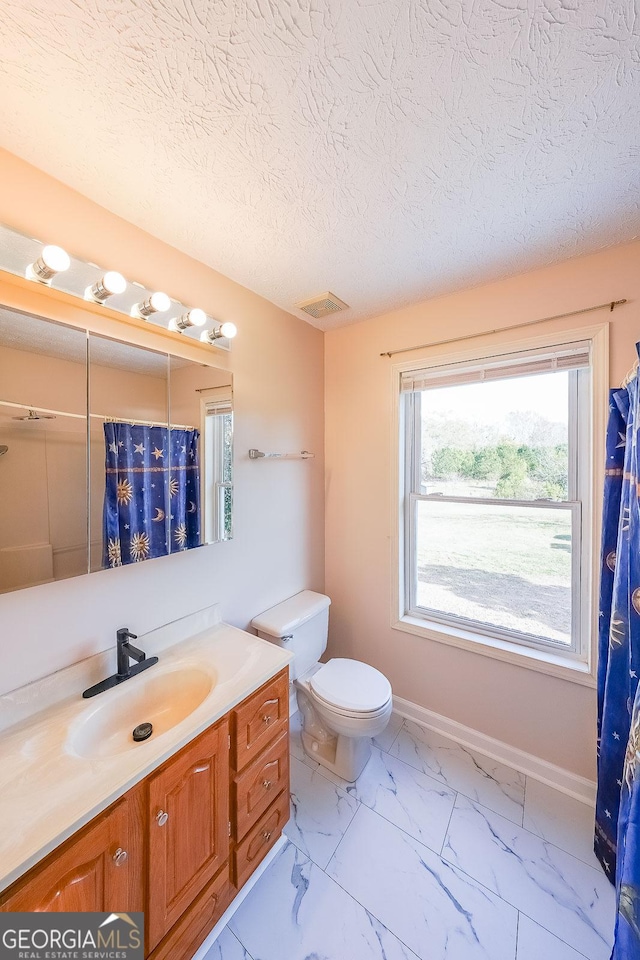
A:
<point x="218" y="465"/>
<point x="496" y="497"/>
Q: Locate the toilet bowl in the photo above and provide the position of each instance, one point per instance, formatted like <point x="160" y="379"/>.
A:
<point x="343" y="703"/>
<point x="338" y="734"/>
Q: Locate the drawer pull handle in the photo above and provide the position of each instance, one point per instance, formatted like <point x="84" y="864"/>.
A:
<point x="266" y="718"/>
<point x="120" y="857"/>
<point x="267" y="784"/>
<point x="266" y="836"/>
<point x="161" y="818"/>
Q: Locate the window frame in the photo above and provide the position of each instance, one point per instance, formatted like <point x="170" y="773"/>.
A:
<point x="588" y="432"/>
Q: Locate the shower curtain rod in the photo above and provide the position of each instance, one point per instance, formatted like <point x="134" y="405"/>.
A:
<point x="95" y="416"/>
<point x="143" y="423"/>
<point x="514" y="326"/>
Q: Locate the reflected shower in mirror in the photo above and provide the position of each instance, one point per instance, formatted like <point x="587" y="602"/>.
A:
<point x="129" y="453"/>
<point x="161" y="475"/>
<point x="43" y="442"/>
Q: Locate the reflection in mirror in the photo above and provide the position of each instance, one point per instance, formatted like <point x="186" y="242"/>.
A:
<point x="156" y="488"/>
<point x="43" y="451"/>
<point x="130" y="453"/>
<point x="202" y="397"/>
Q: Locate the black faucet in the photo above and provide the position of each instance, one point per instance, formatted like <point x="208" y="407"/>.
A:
<point x="125" y="652"/>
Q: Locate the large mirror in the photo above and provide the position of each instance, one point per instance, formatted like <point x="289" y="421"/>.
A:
<point x="110" y="453"/>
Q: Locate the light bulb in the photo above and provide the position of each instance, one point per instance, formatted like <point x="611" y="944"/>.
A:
<point x="228" y="330"/>
<point x="52" y="260"/>
<point x="109" y="285"/>
<point x="192" y="318"/>
<point x="157" y="303"/>
<point x="225" y="330"/>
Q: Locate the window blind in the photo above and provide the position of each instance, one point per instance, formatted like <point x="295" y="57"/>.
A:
<point x="568" y="356"/>
<point x="217" y="400"/>
<point x="218" y="407"/>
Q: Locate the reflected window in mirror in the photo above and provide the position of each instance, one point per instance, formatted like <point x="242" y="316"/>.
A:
<point x="218" y="464"/>
<point x="203" y="395"/>
<point x="43" y="451"/>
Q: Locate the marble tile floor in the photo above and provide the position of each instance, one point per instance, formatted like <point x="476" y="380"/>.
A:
<point x="435" y="853"/>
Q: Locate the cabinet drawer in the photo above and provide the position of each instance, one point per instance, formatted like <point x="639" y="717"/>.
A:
<point x="260" y="719"/>
<point x="199" y="919"/>
<point x="259" y="841"/>
<point x="255" y="788"/>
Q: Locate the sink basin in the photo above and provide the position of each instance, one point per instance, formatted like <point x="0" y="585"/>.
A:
<point x="163" y="699"/>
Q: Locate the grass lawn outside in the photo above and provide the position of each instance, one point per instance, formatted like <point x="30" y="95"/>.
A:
<point x="508" y="567"/>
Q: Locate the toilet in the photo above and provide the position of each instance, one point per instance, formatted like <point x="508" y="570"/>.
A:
<point x="344" y="703"/>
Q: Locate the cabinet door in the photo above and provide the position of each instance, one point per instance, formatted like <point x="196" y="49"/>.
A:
<point x="96" y="870"/>
<point x="188" y="826"/>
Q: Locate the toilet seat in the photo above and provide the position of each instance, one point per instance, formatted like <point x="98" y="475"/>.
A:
<point x="351" y="688"/>
<point x="350" y="714"/>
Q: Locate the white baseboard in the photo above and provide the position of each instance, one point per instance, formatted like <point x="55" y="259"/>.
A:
<point x="570" y="783"/>
<point x="206" y="945"/>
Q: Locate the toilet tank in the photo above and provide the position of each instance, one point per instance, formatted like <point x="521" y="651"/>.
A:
<point x="304" y="619"/>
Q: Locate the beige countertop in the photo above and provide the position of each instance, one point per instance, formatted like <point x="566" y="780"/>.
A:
<point x="58" y="771"/>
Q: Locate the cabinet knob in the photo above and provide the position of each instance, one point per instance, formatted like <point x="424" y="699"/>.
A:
<point x="266" y="836"/>
<point x="266" y="718"/>
<point x="161" y="818"/>
<point x="120" y="857"/>
<point x="267" y="784"/>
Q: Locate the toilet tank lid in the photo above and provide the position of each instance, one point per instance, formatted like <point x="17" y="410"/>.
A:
<point x="287" y="616"/>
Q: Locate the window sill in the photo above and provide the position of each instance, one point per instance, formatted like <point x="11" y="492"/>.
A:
<point x="543" y="661"/>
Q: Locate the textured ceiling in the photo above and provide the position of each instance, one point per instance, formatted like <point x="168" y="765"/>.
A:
<point x="387" y="151"/>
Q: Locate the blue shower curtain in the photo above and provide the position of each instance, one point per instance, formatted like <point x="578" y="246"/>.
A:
<point x="152" y="492"/>
<point x="627" y="931"/>
<point x="617" y="830"/>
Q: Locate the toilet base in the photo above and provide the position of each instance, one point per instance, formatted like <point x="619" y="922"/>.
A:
<point x="346" y="757"/>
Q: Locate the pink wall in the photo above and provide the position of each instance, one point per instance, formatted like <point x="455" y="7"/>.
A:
<point x="551" y="718"/>
<point x="277" y="365"/>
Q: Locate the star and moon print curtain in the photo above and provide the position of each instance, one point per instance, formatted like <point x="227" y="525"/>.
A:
<point x="617" y="832"/>
<point x="152" y="492"/>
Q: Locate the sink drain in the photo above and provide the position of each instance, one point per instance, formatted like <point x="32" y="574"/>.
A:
<point x="142" y="732"/>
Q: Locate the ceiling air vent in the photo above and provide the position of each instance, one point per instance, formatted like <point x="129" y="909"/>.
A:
<point x="322" y="306"/>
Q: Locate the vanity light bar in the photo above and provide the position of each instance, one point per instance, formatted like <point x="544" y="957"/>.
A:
<point x="192" y="318"/>
<point x="107" y="286"/>
<point x="52" y="260"/>
<point x="158" y="302"/>
<point x="226" y="330"/>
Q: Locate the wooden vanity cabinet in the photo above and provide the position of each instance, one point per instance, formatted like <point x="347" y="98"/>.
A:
<point x="181" y="843"/>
